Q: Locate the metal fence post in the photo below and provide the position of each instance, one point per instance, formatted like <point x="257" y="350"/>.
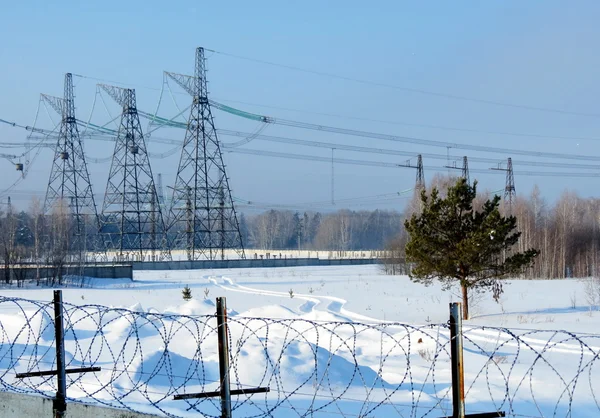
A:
<point x="60" y="403"/>
<point x="223" y="357"/>
<point x="456" y="353"/>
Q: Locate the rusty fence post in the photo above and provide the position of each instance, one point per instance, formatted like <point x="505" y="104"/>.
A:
<point x="456" y="353"/>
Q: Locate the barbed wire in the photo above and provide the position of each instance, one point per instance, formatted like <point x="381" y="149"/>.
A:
<point x="313" y="368"/>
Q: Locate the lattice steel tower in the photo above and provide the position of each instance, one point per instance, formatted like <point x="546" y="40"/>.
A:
<point x="132" y="222"/>
<point x="203" y="218"/>
<point x="69" y="177"/>
<point x="465" y="170"/>
<point x="509" y="188"/>
<point x="420" y="180"/>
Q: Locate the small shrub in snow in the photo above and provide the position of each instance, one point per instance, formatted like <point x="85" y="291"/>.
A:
<point x="186" y="293"/>
<point x="206" y="292"/>
<point x="592" y="292"/>
<point x="291" y="292"/>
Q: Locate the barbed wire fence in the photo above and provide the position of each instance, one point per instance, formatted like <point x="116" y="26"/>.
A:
<point x="312" y="368"/>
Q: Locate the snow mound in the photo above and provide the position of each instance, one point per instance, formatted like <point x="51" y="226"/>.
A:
<point x="168" y="369"/>
<point x="303" y="362"/>
<point x="270" y="311"/>
<point x="195" y="307"/>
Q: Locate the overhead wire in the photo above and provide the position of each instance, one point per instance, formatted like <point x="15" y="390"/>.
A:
<point x="256" y="135"/>
<point x="408" y="89"/>
<point x="431" y="126"/>
<point x="154" y="119"/>
<point x="396" y="138"/>
<point x="323" y="203"/>
<point x="416" y="125"/>
<point x="374" y="135"/>
<point x="339" y="146"/>
<point x="432" y="143"/>
<point x="265" y="153"/>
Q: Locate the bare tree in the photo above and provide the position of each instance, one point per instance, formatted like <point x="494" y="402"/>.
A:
<point x="8" y="228"/>
<point x="36" y="226"/>
<point x="59" y="240"/>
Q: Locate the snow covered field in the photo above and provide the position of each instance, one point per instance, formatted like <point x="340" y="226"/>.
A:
<point x="326" y="340"/>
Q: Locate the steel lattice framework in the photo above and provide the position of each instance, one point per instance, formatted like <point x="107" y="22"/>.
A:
<point x="420" y="180"/>
<point x="69" y="182"/>
<point x="509" y="190"/>
<point x="465" y="170"/>
<point x="203" y="217"/>
<point x="132" y="222"/>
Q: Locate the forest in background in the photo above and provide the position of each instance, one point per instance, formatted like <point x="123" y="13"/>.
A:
<point x="341" y="230"/>
<point x="566" y="232"/>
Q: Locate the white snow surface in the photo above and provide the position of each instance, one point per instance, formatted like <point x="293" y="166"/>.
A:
<point x="332" y="340"/>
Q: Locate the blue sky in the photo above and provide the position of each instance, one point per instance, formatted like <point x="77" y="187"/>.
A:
<point x="536" y="53"/>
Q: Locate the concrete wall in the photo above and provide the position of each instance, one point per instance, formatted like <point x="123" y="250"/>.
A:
<point x="101" y="271"/>
<point x="18" y="405"/>
<point x="248" y="263"/>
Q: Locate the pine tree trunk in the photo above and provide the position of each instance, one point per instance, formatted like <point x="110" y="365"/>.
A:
<point x="465" y="305"/>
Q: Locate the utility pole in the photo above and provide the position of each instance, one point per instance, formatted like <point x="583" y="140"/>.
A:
<point x="132" y="219"/>
<point x="202" y="213"/>
<point x="332" y="178"/>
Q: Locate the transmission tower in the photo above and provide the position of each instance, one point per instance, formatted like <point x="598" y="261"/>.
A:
<point x="203" y="218"/>
<point x="132" y="222"/>
<point x="509" y="189"/>
<point x="69" y="177"/>
<point x="465" y="170"/>
<point x="420" y="182"/>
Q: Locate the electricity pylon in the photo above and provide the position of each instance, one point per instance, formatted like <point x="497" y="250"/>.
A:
<point x="132" y="221"/>
<point x="509" y="189"/>
<point x="420" y="180"/>
<point x="465" y="170"/>
<point x="203" y="217"/>
<point x="69" y="182"/>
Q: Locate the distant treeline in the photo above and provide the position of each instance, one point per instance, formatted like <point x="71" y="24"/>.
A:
<point x="341" y="230"/>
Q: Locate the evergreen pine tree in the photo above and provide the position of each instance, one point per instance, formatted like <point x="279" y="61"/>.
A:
<point x="451" y="242"/>
<point x="186" y="293"/>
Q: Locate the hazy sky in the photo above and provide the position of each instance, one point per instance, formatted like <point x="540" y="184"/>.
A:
<point x="536" y="54"/>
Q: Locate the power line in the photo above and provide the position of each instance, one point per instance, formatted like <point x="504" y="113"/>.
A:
<point x="417" y="125"/>
<point x="429" y="142"/>
<point x="409" y="89"/>
<point x="385" y="137"/>
<point x="275" y="154"/>
<point x="384" y="151"/>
